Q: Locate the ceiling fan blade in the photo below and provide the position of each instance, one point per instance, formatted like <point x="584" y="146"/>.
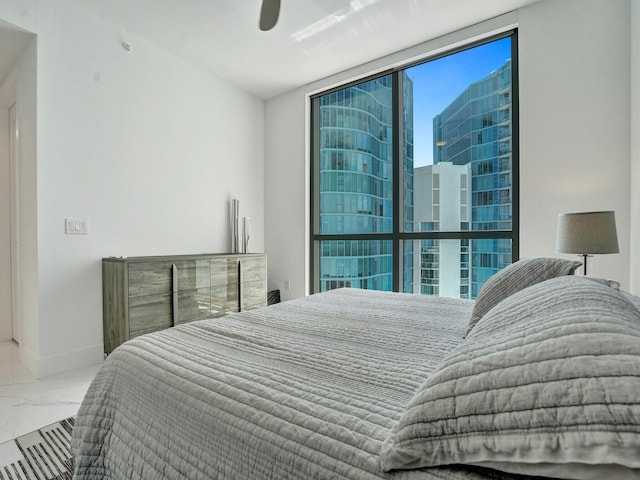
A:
<point x="269" y="14"/>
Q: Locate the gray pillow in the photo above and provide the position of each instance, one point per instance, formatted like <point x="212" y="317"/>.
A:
<point x="605" y="282"/>
<point x="515" y="277"/>
<point x="632" y="298"/>
<point x="547" y="384"/>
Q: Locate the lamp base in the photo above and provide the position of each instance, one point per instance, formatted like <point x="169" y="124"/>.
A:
<point x="584" y="262"/>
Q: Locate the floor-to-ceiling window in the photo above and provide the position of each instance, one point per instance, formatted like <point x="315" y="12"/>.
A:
<point x="414" y="175"/>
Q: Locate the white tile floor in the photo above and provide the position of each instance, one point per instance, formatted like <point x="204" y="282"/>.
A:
<point x="27" y="404"/>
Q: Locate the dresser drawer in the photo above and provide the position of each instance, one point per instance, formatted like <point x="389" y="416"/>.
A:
<point x="253" y="268"/>
<point x="149" y="313"/>
<point x="194" y="305"/>
<point x="254" y="295"/>
<point x="149" y="278"/>
<point x="224" y="271"/>
<point x="193" y="274"/>
<point x="224" y="299"/>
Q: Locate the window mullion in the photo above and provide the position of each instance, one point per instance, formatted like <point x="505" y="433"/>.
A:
<point x="515" y="147"/>
<point x="398" y="202"/>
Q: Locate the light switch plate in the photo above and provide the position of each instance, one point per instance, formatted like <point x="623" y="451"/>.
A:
<point x="76" y="226"/>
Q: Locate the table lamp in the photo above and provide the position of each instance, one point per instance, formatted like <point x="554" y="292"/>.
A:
<point x="587" y="233"/>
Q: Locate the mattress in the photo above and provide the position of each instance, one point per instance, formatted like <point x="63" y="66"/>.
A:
<point x="306" y="389"/>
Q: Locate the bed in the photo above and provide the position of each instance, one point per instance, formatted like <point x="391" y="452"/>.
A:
<point x="356" y="384"/>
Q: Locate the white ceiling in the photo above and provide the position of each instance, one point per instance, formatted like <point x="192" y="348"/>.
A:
<point x="312" y="39"/>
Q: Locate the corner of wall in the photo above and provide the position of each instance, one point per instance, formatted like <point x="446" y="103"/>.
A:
<point x="26" y="93"/>
<point x="28" y="360"/>
<point x="21" y="13"/>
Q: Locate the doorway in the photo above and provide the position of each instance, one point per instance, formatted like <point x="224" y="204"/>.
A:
<point x="18" y="272"/>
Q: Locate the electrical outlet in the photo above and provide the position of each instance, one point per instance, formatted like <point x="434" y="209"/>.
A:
<point x="287" y="285"/>
<point x="75" y="226"/>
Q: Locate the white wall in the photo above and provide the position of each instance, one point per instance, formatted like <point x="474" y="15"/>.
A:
<point x="574" y="119"/>
<point x="635" y="148"/>
<point x="146" y="146"/>
<point x="574" y="131"/>
<point x="286" y="194"/>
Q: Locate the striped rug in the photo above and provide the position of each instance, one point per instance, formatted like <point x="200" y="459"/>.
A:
<point x="40" y="455"/>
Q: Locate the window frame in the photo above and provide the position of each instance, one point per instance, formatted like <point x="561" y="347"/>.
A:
<point x="398" y="236"/>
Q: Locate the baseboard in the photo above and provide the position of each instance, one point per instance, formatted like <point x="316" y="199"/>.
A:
<point x="54" y="364"/>
<point x="28" y="360"/>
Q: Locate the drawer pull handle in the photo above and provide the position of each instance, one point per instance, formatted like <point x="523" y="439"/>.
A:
<point x="174" y="292"/>
<point x="239" y="285"/>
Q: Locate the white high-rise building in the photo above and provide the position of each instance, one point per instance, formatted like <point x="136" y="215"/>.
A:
<point x="442" y="201"/>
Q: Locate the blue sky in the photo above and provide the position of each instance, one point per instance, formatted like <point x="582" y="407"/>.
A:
<point x="437" y="83"/>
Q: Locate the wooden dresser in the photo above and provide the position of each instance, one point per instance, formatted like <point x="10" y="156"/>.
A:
<point x="145" y="294"/>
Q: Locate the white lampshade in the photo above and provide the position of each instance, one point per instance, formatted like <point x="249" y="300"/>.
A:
<point x="587" y="232"/>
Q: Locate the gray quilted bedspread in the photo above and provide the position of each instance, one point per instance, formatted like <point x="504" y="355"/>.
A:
<point x="307" y="389"/>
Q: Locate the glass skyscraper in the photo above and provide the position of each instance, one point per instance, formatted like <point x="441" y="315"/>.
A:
<point x="356" y="183"/>
<point x="475" y="129"/>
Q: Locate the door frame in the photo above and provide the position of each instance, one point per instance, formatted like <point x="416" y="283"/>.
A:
<point x="13" y="227"/>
